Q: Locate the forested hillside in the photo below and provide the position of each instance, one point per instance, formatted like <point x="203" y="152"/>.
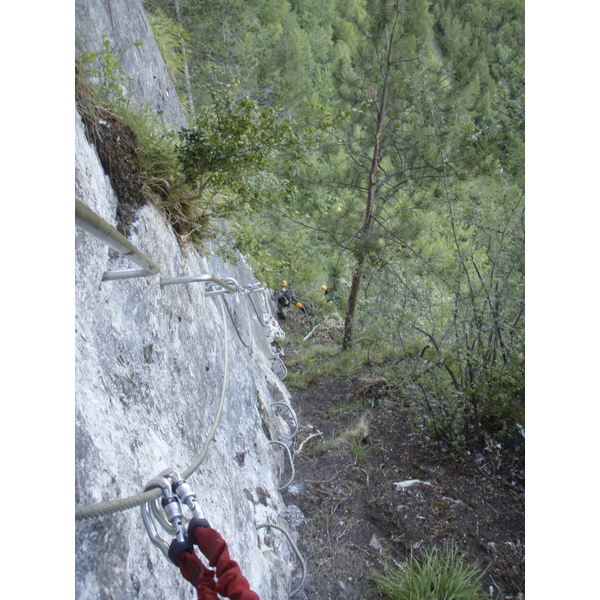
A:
<point x="370" y="155"/>
<point x="375" y="147"/>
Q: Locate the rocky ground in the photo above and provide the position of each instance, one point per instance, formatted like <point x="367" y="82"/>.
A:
<point x="371" y="489"/>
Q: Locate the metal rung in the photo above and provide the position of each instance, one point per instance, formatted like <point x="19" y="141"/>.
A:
<point x="214" y="286"/>
<point x="87" y="220"/>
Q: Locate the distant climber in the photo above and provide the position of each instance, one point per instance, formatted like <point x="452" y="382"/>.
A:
<point x="283" y="299"/>
<point x="300" y="307"/>
<point x="327" y="292"/>
<point x="304" y="312"/>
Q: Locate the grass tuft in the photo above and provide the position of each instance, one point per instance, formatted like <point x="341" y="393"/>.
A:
<point x="324" y="359"/>
<point x="439" y="575"/>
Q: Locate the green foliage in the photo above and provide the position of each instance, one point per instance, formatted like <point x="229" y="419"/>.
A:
<point x="231" y="145"/>
<point x="132" y="141"/>
<point x="439" y="574"/>
<point x="171" y="38"/>
<point x="441" y="306"/>
<point x="104" y="70"/>
<point x="442" y="302"/>
<point x="156" y="152"/>
<point x="316" y="360"/>
<point x="501" y="390"/>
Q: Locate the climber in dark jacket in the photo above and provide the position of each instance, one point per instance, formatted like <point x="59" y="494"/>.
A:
<point x="283" y="299"/>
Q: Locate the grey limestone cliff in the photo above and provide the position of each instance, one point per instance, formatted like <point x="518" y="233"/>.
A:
<point x="149" y="370"/>
<point x="125" y="25"/>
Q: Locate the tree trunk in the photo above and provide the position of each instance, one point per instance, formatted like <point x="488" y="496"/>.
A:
<point x="186" y="72"/>
<point x="365" y="231"/>
<point x="352" y="300"/>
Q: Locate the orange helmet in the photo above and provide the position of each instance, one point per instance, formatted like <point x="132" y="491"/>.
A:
<point x="324" y="288"/>
<point x="284" y="283"/>
<point x="298" y="305"/>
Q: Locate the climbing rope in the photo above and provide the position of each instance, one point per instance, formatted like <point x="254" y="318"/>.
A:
<point x="119" y="505"/>
<point x="171" y="521"/>
<point x="295" y="549"/>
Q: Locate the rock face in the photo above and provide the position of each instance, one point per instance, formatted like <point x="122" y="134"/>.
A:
<point x="149" y="367"/>
<point x="124" y="24"/>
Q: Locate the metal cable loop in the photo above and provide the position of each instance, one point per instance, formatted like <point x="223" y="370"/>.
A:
<point x="282" y="366"/>
<point x="113" y="506"/>
<point x="292" y="435"/>
<point x="291" y="463"/>
<point x="295" y="549"/>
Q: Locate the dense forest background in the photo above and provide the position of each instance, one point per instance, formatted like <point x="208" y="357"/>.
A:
<point x="375" y="147"/>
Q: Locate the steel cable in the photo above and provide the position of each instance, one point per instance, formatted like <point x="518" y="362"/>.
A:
<point x="112" y="506"/>
<point x="292" y="414"/>
<point x="235" y="326"/>
<point x="256" y="311"/>
<point x="300" y="557"/>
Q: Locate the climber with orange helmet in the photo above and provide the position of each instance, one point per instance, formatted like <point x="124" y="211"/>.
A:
<point x="327" y="292"/>
<point x="300" y="307"/>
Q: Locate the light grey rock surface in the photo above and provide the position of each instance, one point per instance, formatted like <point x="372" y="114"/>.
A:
<point x="149" y="369"/>
<point x="124" y="24"/>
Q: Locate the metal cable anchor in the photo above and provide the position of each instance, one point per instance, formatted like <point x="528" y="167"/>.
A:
<point x="213" y="285"/>
<point x="252" y="287"/>
<point x="167" y="510"/>
<point x="283" y="405"/>
<point x="289" y="453"/>
<point x="278" y="367"/>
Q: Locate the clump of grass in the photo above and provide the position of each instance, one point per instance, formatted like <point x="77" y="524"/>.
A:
<point x="353" y="403"/>
<point x="358" y="431"/>
<point x="314" y="353"/>
<point x="324" y="359"/>
<point x="311" y="363"/>
<point x="136" y="149"/>
<point x="356" y="437"/>
<point x="440" y="574"/>
<point x="170" y="38"/>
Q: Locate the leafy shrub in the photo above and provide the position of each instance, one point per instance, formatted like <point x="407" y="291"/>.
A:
<point x="501" y="390"/>
<point x="104" y="70"/>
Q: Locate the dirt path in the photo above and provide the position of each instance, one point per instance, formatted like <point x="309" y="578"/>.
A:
<point x="355" y="519"/>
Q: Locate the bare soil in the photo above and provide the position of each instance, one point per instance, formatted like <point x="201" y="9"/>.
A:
<point x="356" y="520"/>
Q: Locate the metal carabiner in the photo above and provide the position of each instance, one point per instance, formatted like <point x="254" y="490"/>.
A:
<point x="184" y="492"/>
<point x="149" y="523"/>
<point x="168" y="514"/>
<point x="167" y="510"/>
